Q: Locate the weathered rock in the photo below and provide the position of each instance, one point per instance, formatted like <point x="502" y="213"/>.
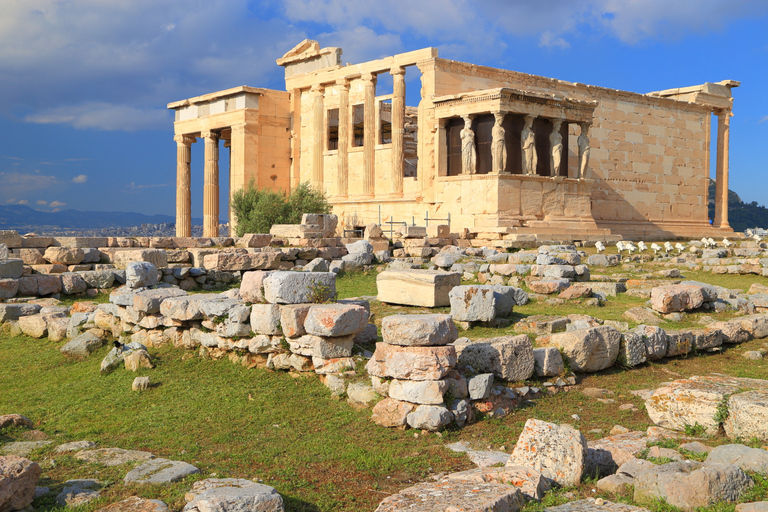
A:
<point x="618" y="483"/>
<point x="679" y="343"/>
<point x="550" y="286"/>
<point x="426" y="288"/>
<point x="35" y="326"/>
<point x="336" y="319"/>
<point x="79" y="492"/>
<point x="140" y="274"/>
<point x="755" y="506"/>
<point x="325" y="347"/>
<point x="588" y="350"/>
<point x="64" y="255"/>
<point x="753" y="460"/>
<point x="479" y="386"/>
<point x="747" y="415"/>
<point x="82" y="346"/>
<point x="676" y="297"/>
<point x="265" y="319"/>
<point x="113" y="456"/>
<point x="18" y="478"/>
<point x="542" y="324"/>
<point x="418" y="330"/>
<point x="148" y="301"/>
<point x="15" y="420"/>
<point x="547" y="362"/>
<point x="606" y="455"/>
<point x="429" y="417"/>
<point x="642" y="315"/>
<point x="655" y="340"/>
<point x="411" y="363"/>
<point x="454" y="496"/>
<point x="480" y="458"/>
<point x="23" y="448"/>
<point x="731" y="332"/>
<point x="706" y="338"/>
<point x="360" y="394"/>
<point x="299" y="287"/>
<point x="157" y="257"/>
<point x="391" y="413"/>
<point x="631" y="350"/>
<point x="74" y="446"/>
<point x="558" y="452"/>
<point x="690" y="484"/>
<point x="429" y="392"/>
<point x="116" y="356"/>
<point x="232" y="495"/>
<point x="756" y="325"/>
<point x="11" y="269"/>
<point x="473" y="303"/>
<point x="137" y="359"/>
<point x="529" y="481"/>
<point x="252" y="286"/>
<point x="136" y="504"/>
<point x="160" y="471"/>
<point x="508" y="357"/>
<point x="595" y="505"/>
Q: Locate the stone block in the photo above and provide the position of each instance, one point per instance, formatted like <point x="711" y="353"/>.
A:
<point x="429" y="417"/>
<point x="748" y="416"/>
<point x="426" y="288"/>
<point x="265" y="319"/>
<point x="232" y="494"/>
<point x="558" y="452"/>
<point x="507" y="357"/>
<point x="655" y="340"/>
<point x="8" y="288"/>
<point x="11" y="269"/>
<point x="412" y="363"/>
<point x="18" y="478"/>
<point x="530" y="482"/>
<point x="428" y="392"/>
<point x="16" y="311"/>
<point x="324" y="347"/>
<point x="140" y="274"/>
<point x="292" y="318"/>
<point x="148" y="301"/>
<point x="336" y="319"/>
<point x="479" y="386"/>
<point x="418" y="330"/>
<point x="10" y="238"/>
<point x="256" y="240"/>
<point x="82" y="346"/>
<point x="473" y="303"/>
<point x="589" y="350"/>
<point x="230" y="262"/>
<point x="299" y="287"/>
<point x="64" y="255"/>
<point x="252" y="286"/>
<point x="157" y="257"/>
<point x="676" y="298"/>
<point x="547" y="362"/>
<point x="391" y="413"/>
<point x="631" y="350"/>
<point x="455" y="496"/>
<point x="550" y="286"/>
<point x="160" y="472"/>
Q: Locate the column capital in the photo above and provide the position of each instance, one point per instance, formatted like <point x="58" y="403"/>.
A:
<point x="185" y="139"/>
<point x="227" y="143"/>
<point x="368" y="77"/>
<point x="210" y="134"/>
<point x="318" y="88"/>
<point x="343" y="82"/>
<point x="397" y="71"/>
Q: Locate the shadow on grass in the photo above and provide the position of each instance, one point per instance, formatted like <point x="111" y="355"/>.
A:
<point x="297" y="505"/>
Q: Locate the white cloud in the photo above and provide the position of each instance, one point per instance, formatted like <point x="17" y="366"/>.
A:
<point x="548" y="39"/>
<point x="103" y="116"/>
<point x="763" y="120"/>
<point x="56" y="204"/>
<point x="18" y="184"/>
<point x="41" y="202"/>
<point x="81" y="178"/>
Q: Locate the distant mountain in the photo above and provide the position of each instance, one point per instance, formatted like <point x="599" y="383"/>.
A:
<point x="741" y="215"/>
<point x="24" y="217"/>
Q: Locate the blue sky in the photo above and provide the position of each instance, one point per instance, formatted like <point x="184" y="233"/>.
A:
<point x="84" y="83"/>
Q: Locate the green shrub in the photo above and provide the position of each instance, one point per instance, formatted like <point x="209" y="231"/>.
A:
<point x="256" y="210"/>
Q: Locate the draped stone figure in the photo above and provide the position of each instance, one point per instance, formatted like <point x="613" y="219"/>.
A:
<point x="528" y="144"/>
<point x="556" y="143"/>
<point x="498" y="145"/>
<point x="583" y="143"/>
<point x="468" y="152"/>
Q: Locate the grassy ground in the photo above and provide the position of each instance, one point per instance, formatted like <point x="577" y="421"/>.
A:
<point x="288" y="432"/>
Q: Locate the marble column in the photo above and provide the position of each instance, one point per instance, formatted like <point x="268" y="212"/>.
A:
<point x="211" y="185"/>
<point x="318" y="137"/>
<point x="721" y="184"/>
<point x="183" y="185"/>
<point x="342" y="166"/>
<point x="227" y="143"/>
<point x="398" y="129"/>
<point x="369" y="135"/>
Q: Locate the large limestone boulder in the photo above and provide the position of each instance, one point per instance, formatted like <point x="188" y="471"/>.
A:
<point x="507" y="357"/>
<point x="429" y="417"/>
<point x="148" y="301"/>
<point x="426" y="288"/>
<point x="676" y="297"/>
<point x="113" y="456"/>
<point x="588" y="350"/>
<point x="232" y="494"/>
<point x="689" y="484"/>
<point x="753" y="460"/>
<point x="284" y="287"/>
<point x="11" y="268"/>
<point x="391" y="413"/>
<point x="548" y="362"/>
<point x="530" y="482"/>
<point x="64" y="255"/>
<point x="459" y="496"/>
<point x="654" y="339"/>
<point x="18" y="478"/>
<point x="411" y="363"/>
<point x="15" y="420"/>
<point x="157" y="257"/>
<point x="82" y="345"/>
<point x="606" y="455"/>
<point x="558" y="452"/>
<point x="427" y="392"/>
<point x="136" y="504"/>
<point x="139" y="274"/>
<point x="747" y="415"/>
<point x="336" y="319"/>
<point x="473" y="303"/>
<point x="418" y="330"/>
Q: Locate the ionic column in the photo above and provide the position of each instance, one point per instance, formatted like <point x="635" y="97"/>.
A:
<point x="318" y="137"/>
<point x="369" y="135"/>
<point x="398" y="129"/>
<point x="342" y="167"/>
<point x="721" y="185"/>
<point x="211" y="184"/>
<point x="227" y="143"/>
<point x="183" y="189"/>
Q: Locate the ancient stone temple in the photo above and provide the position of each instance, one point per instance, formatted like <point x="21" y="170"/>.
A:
<point x="501" y="153"/>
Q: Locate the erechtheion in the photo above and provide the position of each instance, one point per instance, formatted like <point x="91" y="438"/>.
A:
<point x="502" y="154"/>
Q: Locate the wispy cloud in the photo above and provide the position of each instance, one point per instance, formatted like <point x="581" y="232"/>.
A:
<point x="18" y="184"/>
<point x="133" y="188"/>
<point x="81" y="178"/>
<point x="41" y="202"/>
<point x="763" y="120"/>
<point x="103" y="116"/>
<point x="56" y="204"/>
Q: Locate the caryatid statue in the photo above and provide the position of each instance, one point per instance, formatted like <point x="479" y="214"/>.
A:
<point x="498" y="145"/>
<point x="468" y="152"/>
<point x="556" y="143"/>
<point x="583" y="143"/>
<point x="528" y="144"/>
